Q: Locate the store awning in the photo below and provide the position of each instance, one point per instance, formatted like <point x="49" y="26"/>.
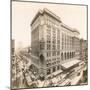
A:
<point x="69" y="64"/>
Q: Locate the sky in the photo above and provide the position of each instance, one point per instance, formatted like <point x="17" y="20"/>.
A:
<point x="74" y="16"/>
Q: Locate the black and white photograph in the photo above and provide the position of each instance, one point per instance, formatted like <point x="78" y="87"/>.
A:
<point x="49" y="45"/>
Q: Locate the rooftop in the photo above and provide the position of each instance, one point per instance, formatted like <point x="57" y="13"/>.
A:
<point x="70" y="63"/>
<point x="45" y="10"/>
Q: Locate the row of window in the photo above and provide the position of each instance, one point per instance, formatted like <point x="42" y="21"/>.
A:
<point x="53" y="35"/>
<point x="67" y="41"/>
<point x="65" y="45"/>
<point x="63" y="55"/>
<point x="51" y="21"/>
<point x="53" y="41"/>
<point x="54" y="53"/>
<point x="53" y="63"/>
<point x="68" y="55"/>
<point x="53" y="47"/>
<point x="54" y="59"/>
<point x="49" y="46"/>
<point x="53" y="69"/>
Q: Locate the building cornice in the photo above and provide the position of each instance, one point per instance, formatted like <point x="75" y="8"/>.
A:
<point x="69" y="28"/>
<point x="46" y="11"/>
<point x="66" y="27"/>
<point x="75" y="30"/>
<point x="51" y="14"/>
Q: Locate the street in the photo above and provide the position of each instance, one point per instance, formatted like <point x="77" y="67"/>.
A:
<point x="69" y="78"/>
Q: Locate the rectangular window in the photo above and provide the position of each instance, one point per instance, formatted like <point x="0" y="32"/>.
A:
<point x="54" y="53"/>
<point x="58" y="47"/>
<point x="48" y="41"/>
<point x="41" y="46"/>
<point x="48" y="54"/>
<point x="53" y="47"/>
<point x="48" y="46"/>
<point x="58" y="52"/>
<point x="58" y="34"/>
<point x="58" y="41"/>
<point x="48" y="71"/>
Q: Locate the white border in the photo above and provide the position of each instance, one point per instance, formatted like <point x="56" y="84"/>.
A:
<point x="5" y="44"/>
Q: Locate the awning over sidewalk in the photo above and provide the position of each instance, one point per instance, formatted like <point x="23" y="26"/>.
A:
<point x="69" y="64"/>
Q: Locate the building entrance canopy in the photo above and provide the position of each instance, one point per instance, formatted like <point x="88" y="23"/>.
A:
<point x="69" y="64"/>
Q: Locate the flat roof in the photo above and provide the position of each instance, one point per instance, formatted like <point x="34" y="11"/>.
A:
<point x="70" y="63"/>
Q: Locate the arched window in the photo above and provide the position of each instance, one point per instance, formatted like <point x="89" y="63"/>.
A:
<point x="42" y="59"/>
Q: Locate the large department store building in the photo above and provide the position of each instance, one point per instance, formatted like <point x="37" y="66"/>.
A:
<point x="56" y="45"/>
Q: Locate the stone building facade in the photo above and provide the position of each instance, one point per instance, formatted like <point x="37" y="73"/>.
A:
<point x="83" y="49"/>
<point x="53" y="42"/>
